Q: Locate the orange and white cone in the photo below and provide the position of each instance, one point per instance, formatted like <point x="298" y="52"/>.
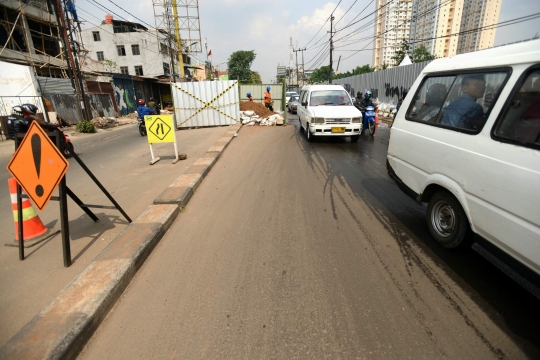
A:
<point x="32" y="225"/>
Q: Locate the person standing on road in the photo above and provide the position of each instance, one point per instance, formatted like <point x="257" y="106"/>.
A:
<point x="268" y="99"/>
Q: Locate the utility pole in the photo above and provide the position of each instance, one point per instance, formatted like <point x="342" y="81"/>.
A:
<point x="303" y="74"/>
<point x="296" y="53"/>
<point x="77" y="71"/>
<point x="70" y="61"/>
<point x="331" y="47"/>
<point x="297" y="72"/>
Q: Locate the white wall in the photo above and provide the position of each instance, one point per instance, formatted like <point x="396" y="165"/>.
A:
<point x="17" y="80"/>
<point x="150" y="58"/>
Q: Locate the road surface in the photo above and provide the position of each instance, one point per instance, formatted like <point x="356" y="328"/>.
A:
<point x="292" y="249"/>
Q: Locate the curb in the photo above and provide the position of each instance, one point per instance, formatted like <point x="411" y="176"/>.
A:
<point x="63" y="327"/>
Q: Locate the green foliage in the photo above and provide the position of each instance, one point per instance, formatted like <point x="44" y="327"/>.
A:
<point x="400" y="54"/>
<point x="85" y="126"/>
<point x="421" y="54"/>
<point x="321" y="74"/>
<point x="384" y="66"/>
<point x="255" y="78"/>
<point x="110" y="66"/>
<point x="239" y="66"/>
<point x="356" y="71"/>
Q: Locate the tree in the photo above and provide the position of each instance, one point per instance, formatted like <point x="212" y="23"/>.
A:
<point x="110" y="66"/>
<point x="384" y="66"/>
<point x="255" y="78"/>
<point x="239" y="65"/>
<point x="363" y="70"/>
<point x="321" y="74"/>
<point x="421" y="54"/>
<point x="400" y="54"/>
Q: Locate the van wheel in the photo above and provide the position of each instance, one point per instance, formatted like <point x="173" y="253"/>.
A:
<point x="355" y="138"/>
<point x="308" y="134"/>
<point x="447" y="222"/>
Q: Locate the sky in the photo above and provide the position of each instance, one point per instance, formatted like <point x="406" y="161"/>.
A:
<point x="267" y="27"/>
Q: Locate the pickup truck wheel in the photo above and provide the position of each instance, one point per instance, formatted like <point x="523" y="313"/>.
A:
<point x="308" y="134"/>
<point x="447" y="222"/>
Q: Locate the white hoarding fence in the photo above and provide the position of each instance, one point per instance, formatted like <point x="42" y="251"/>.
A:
<point x="207" y="103"/>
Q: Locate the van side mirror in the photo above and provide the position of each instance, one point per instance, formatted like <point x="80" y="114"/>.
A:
<point x="304" y="103"/>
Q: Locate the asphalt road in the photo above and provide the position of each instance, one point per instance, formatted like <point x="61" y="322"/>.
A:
<point x="119" y="158"/>
<point x="291" y="249"/>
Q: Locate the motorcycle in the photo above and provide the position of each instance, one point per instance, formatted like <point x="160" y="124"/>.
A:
<point x="69" y="145"/>
<point x="368" y="120"/>
<point x="141" y="126"/>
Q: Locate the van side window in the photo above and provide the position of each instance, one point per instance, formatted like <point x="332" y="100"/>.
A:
<point x="520" y="120"/>
<point x="459" y="101"/>
<point x="430" y="99"/>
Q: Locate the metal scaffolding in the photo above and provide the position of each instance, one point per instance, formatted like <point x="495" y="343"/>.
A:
<point x="179" y="21"/>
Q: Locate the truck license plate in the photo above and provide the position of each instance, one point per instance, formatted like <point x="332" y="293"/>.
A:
<point x="338" y="129"/>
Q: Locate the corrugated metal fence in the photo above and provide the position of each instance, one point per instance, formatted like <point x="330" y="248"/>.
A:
<point x="386" y="85"/>
<point x="207" y="103"/>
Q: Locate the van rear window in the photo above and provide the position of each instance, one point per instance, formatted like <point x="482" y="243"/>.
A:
<point x="457" y="101"/>
<point x="520" y="119"/>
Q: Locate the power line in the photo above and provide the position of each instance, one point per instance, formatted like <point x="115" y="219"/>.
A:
<point x="144" y="22"/>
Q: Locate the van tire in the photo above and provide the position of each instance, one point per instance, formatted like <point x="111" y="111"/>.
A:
<point x="355" y="138"/>
<point x="446" y="221"/>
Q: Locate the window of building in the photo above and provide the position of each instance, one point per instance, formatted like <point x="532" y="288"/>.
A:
<point x="166" y="69"/>
<point x="138" y="71"/>
<point x="124" y="70"/>
<point x="519" y="122"/>
<point x="100" y="56"/>
<point x="135" y="50"/>
<point x="121" y="50"/>
<point x="96" y="36"/>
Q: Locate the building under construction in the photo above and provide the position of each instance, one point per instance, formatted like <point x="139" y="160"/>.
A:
<point x="29" y="35"/>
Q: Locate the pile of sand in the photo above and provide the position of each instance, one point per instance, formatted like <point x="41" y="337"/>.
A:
<point x="258" y="108"/>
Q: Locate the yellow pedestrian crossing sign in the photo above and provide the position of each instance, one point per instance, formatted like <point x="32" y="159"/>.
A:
<point x="160" y="128"/>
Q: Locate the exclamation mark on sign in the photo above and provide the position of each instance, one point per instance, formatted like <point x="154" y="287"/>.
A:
<point x="36" y="152"/>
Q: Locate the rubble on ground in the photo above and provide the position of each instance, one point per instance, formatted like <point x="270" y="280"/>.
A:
<point x="252" y="113"/>
<point x="104" y="123"/>
<point x="131" y="115"/>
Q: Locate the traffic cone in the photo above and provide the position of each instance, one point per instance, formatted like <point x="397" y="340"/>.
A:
<point x="33" y="228"/>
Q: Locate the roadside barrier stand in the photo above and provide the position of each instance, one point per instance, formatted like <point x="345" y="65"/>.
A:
<point x="33" y="228"/>
<point x="39" y="167"/>
<point x="161" y="129"/>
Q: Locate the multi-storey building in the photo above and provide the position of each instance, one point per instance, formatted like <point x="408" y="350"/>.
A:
<point x="29" y="36"/>
<point x="392" y="26"/>
<point x="128" y="48"/>
<point x="447" y="27"/>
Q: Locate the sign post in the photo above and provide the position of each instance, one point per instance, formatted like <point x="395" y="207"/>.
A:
<point x="160" y="129"/>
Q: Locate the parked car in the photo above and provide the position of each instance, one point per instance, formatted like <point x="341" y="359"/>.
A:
<point x="327" y="110"/>
<point x="468" y="145"/>
<point x="293" y="104"/>
<point x="288" y="95"/>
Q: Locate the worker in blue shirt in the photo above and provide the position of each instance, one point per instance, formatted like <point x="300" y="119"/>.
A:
<point x="465" y="112"/>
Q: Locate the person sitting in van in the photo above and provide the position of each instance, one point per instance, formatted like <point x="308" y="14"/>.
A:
<point x="465" y="112"/>
<point x="434" y="101"/>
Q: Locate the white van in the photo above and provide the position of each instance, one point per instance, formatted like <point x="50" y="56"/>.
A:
<point x="328" y="110"/>
<point x="467" y="142"/>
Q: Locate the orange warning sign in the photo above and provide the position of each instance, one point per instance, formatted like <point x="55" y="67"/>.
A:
<point x="38" y="165"/>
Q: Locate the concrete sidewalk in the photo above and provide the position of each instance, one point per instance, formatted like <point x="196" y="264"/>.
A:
<point x="63" y="327"/>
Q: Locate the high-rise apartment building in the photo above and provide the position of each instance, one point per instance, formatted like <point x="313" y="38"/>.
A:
<point x="392" y="26"/>
<point x="434" y="22"/>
